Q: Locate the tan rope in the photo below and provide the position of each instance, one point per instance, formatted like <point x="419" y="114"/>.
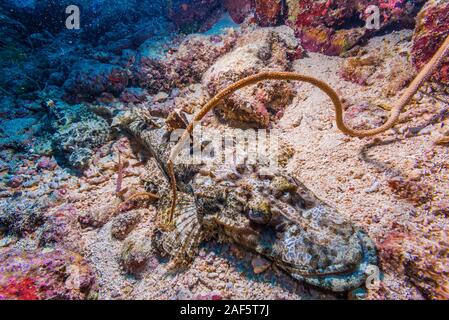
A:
<point x="396" y="110"/>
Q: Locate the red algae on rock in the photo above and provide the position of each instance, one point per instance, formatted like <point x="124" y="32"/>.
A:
<point x="268" y="12"/>
<point x="334" y="26"/>
<point x="432" y="28"/>
<point x="44" y="274"/>
<point x="239" y="9"/>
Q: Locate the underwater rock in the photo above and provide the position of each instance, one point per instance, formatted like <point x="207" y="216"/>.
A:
<point x="423" y="260"/>
<point x="135" y="253"/>
<point x="191" y="98"/>
<point x="260" y="264"/>
<point x="60" y="230"/>
<point x="15" y="182"/>
<point x="30" y="69"/>
<point x="149" y="70"/>
<point x="330" y="42"/>
<point x="134" y="95"/>
<point x="162" y="109"/>
<point x="91" y="78"/>
<point x="399" y="75"/>
<point x="19" y="216"/>
<point x="239" y="9"/>
<point x="365" y="116"/>
<point x="77" y="132"/>
<point x="55" y="230"/>
<point x="124" y="224"/>
<point x="268" y="12"/>
<point x="367" y="68"/>
<point x="161" y="70"/>
<point x="259" y="50"/>
<point x="432" y="28"/>
<point x="46" y="164"/>
<point x="195" y="55"/>
<point x="56" y="78"/>
<point x="17" y="133"/>
<point x="176" y="120"/>
<point x="334" y="27"/>
<point x="44" y="274"/>
<point x="160" y="97"/>
<point x="96" y="217"/>
<point x="119" y="40"/>
<point x="21" y="73"/>
<point x="123" y="19"/>
<point x="3" y="165"/>
<point x="359" y="69"/>
<point x="188" y="15"/>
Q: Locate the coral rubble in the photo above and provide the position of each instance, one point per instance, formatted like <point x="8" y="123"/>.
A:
<point x="45" y="274"/>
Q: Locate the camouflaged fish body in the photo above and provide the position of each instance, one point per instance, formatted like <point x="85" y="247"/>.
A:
<point x="272" y="214"/>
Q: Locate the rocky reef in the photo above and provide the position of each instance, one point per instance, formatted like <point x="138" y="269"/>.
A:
<point x="68" y="229"/>
<point x="334" y="27"/>
<point x="260" y="50"/>
<point x="430" y="32"/>
<point x="45" y="274"/>
<point x="331" y="27"/>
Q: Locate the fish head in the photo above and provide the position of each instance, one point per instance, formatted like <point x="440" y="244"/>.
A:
<point x="276" y="216"/>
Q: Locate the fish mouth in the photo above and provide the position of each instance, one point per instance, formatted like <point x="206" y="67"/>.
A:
<point x="319" y="247"/>
<point x="336" y="258"/>
<point x="343" y="277"/>
<point x="279" y="218"/>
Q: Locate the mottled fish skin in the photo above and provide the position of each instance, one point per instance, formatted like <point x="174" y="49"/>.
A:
<point x="278" y="217"/>
<point x="270" y="213"/>
<point x="153" y="135"/>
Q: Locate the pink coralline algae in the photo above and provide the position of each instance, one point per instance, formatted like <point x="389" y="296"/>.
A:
<point x="21" y="290"/>
<point x="264" y="49"/>
<point x="432" y="27"/>
<point x="179" y="67"/>
<point x="268" y="12"/>
<point x="44" y="274"/>
<point x="189" y="14"/>
<point x="133" y="95"/>
<point x="239" y="9"/>
<point x="335" y="26"/>
<point x="46" y="164"/>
